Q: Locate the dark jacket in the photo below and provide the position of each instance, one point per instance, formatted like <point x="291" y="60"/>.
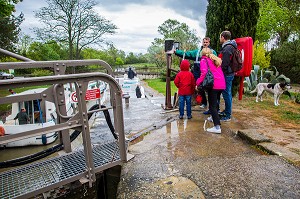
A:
<point x="184" y="80"/>
<point x="22" y="117"/>
<point x="131" y="73"/>
<point x="226" y="55"/>
<point x="138" y="92"/>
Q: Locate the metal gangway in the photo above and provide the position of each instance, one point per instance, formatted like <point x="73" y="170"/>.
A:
<point x="36" y="178"/>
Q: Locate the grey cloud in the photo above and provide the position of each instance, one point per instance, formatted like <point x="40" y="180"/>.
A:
<point x="189" y="8"/>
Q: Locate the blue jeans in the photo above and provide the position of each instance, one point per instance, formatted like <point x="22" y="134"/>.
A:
<point x="227" y="95"/>
<point x="188" y="100"/>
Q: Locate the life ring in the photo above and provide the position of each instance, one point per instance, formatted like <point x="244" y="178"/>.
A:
<point x="2" y="131"/>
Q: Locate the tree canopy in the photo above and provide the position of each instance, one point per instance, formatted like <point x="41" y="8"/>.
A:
<point x="7" y="7"/>
<point x="238" y="16"/>
<point x="279" y="20"/>
<point x="9" y="25"/>
<point x="73" y="22"/>
<point x="180" y="32"/>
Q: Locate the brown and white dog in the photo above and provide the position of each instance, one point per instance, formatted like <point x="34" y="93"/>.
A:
<point x="276" y="89"/>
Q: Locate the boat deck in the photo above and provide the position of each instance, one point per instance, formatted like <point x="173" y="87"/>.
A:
<point x="31" y="180"/>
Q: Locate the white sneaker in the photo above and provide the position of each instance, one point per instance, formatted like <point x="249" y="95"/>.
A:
<point x="210" y="119"/>
<point x="214" y="130"/>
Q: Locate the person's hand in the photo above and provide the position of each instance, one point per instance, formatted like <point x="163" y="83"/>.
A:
<point x="196" y="88"/>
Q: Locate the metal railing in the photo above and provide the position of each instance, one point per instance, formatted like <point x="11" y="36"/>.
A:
<point x="78" y="121"/>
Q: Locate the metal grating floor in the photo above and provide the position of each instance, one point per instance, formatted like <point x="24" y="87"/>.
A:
<point x="30" y="178"/>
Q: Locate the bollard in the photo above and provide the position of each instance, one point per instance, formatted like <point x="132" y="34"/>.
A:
<point x="126" y="97"/>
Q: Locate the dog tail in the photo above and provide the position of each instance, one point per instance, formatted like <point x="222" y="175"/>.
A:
<point x="254" y="91"/>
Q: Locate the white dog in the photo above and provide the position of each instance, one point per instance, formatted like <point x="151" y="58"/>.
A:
<point x="276" y="89"/>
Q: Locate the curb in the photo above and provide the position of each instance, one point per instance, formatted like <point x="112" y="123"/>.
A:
<point x="252" y="136"/>
<point x="265" y="144"/>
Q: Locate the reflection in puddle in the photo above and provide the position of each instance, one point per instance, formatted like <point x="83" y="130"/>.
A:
<point x="187" y="139"/>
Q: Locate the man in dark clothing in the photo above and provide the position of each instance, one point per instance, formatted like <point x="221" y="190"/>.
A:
<point x="226" y="54"/>
<point x="131" y="73"/>
<point x="22" y="117"/>
<point x="138" y="92"/>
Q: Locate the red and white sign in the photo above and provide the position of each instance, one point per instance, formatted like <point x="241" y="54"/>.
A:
<point x="90" y="95"/>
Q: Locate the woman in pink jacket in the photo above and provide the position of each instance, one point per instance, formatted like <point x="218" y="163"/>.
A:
<point x="212" y="62"/>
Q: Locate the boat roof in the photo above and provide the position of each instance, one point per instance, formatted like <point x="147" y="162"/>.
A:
<point x="31" y="91"/>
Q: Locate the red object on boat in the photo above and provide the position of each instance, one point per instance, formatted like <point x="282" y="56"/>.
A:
<point x="2" y="131"/>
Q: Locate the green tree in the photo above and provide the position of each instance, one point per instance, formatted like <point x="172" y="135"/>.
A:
<point x="114" y="53"/>
<point x="24" y="43"/>
<point x="238" y="16"/>
<point x="90" y="53"/>
<point x="9" y="25"/>
<point x="157" y="55"/>
<point x="73" y="22"/>
<point x="50" y="50"/>
<point x="131" y="59"/>
<point x="119" y="61"/>
<point x="287" y="60"/>
<point x="260" y="57"/>
<point x="279" y="19"/>
<point x="7" y="7"/>
<point x="180" y="32"/>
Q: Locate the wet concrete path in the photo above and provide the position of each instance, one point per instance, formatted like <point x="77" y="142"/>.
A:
<point x="180" y="160"/>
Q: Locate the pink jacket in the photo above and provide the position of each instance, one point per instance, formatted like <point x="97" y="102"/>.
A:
<point x="219" y="79"/>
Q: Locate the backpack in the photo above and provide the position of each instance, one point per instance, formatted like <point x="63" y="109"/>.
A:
<point x="236" y="62"/>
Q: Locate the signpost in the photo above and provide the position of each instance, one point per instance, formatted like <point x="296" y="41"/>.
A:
<point x="91" y="94"/>
<point x="168" y="47"/>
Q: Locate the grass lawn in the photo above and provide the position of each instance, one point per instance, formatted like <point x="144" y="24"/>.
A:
<point x="286" y="113"/>
<point x="160" y="85"/>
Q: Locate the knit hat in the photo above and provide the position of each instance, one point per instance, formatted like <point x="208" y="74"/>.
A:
<point x="185" y="65"/>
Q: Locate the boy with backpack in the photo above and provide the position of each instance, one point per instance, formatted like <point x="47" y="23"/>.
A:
<point x="185" y="83"/>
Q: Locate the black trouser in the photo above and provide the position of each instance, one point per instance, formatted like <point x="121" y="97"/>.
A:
<point x="213" y="97"/>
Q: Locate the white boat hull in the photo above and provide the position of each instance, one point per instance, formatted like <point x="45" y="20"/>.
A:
<point x="129" y="85"/>
<point x="36" y="140"/>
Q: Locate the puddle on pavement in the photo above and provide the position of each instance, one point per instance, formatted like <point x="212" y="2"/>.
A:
<point x="186" y="138"/>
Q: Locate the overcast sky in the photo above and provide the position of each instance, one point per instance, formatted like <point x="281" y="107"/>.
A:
<point x="137" y="20"/>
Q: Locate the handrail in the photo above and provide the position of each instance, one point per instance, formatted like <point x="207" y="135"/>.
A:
<point x="56" y="64"/>
<point x="14" y="55"/>
<point x="80" y="119"/>
<point x="59" y="67"/>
